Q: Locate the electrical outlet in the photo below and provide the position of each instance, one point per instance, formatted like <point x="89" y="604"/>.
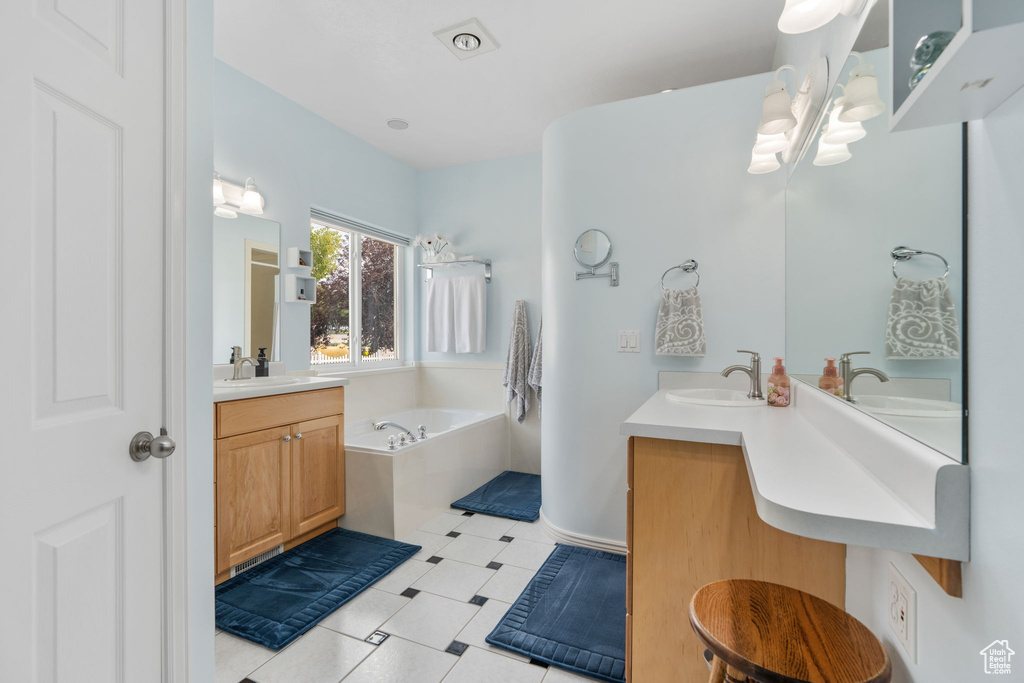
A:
<point x="629" y="341"/>
<point x="903" y="611"/>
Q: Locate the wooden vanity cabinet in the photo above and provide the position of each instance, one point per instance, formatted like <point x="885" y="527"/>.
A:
<point x="279" y="472"/>
<point x="692" y="520"/>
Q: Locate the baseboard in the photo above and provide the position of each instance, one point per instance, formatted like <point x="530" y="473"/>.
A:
<point x="592" y="542"/>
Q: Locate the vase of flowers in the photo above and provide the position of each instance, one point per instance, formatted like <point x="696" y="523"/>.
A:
<point x="432" y="246"/>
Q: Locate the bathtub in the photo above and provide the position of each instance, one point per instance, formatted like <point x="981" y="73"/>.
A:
<point x="392" y="493"/>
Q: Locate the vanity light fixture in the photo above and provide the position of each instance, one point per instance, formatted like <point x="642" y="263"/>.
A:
<point x="777" y="107"/>
<point x="861" y="91"/>
<point x="842" y="132"/>
<point x="770" y="144"/>
<point x="225" y="212"/>
<point x="830" y="154"/>
<point x="218" y="190"/>
<point x="252" y="200"/>
<point x="762" y="163"/>
<point x="801" y="16"/>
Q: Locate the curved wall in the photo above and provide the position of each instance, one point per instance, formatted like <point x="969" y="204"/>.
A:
<point x="665" y="176"/>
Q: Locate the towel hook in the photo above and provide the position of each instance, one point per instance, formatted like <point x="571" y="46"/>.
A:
<point x="906" y="253"/>
<point x="687" y="267"/>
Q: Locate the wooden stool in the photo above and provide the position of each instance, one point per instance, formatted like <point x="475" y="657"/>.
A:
<point x="769" y="633"/>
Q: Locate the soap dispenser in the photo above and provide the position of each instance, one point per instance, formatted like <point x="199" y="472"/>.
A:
<point x="262" y="364"/>
<point x="778" y="385"/>
<point x="830" y="380"/>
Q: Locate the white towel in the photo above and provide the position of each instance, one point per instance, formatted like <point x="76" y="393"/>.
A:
<point x="922" y="321"/>
<point x="440" y="313"/>
<point x="517" y="365"/>
<point x="537" y="368"/>
<point x="680" y="327"/>
<point x="470" y="313"/>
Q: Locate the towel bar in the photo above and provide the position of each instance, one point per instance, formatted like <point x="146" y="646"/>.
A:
<point x="486" y="263"/>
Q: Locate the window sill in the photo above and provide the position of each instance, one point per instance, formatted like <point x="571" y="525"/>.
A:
<point x="342" y="372"/>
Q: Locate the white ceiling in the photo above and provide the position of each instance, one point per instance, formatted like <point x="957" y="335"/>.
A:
<point x="358" y="63"/>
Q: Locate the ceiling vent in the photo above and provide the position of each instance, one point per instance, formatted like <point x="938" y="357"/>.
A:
<point x="465" y="32"/>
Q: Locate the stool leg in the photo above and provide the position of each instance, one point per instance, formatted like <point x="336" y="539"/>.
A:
<point x="717" y="671"/>
<point x="732" y="674"/>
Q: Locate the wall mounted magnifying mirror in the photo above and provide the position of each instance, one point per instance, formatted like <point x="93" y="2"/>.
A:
<point x="593" y="249"/>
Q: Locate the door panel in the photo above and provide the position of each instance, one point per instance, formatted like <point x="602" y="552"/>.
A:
<point x="318" y="473"/>
<point x="253" y="495"/>
<point x="81" y="524"/>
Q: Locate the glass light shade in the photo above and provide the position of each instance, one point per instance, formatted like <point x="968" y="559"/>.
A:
<point x="776" y="111"/>
<point x="830" y="154"/>
<point x="801" y="16"/>
<point x="762" y="163"/>
<point x="839" y="132"/>
<point x="218" y="192"/>
<point x="252" y="201"/>
<point x="862" y="100"/>
<point x="225" y="212"/>
<point x="770" y="144"/>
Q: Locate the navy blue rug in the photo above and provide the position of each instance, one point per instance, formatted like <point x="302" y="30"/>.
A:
<point x="515" y="495"/>
<point x="277" y="601"/>
<point x="572" y="614"/>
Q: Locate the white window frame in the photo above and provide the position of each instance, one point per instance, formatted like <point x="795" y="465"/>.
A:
<point x="355" y="284"/>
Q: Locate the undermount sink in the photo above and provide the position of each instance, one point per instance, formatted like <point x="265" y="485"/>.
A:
<point x="726" y="398"/>
<point x="255" y="382"/>
<point x="909" y="407"/>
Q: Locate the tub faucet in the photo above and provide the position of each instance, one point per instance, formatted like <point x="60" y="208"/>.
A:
<point x="239" y="361"/>
<point x="754" y="372"/>
<point x="847" y="372"/>
<point x="381" y="426"/>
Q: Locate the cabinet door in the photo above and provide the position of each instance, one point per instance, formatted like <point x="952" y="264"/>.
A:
<point x="253" y="492"/>
<point x="318" y="473"/>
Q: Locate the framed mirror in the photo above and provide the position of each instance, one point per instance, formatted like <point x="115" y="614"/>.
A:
<point x="593" y="249"/>
<point x="247" y="262"/>
<point x="856" y="210"/>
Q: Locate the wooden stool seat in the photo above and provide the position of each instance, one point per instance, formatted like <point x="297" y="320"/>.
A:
<point x="774" y="634"/>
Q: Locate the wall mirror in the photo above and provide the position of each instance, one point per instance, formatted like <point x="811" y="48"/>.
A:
<point x="246" y="286"/>
<point x="592" y="250"/>
<point x="849" y="208"/>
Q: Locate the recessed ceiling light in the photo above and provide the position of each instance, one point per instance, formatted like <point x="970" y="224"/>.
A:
<point x="466" y="42"/>
<point x="667" y="90"/>
<point x="398" y="124"/>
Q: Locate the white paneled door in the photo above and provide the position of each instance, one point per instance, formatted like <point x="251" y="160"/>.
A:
<point x="82" y="183"/>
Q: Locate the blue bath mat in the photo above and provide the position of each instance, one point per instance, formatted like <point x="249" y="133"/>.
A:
<point x="277" y="601"/>
<point x="572" y="614"/>
<point x="515" y="495"/>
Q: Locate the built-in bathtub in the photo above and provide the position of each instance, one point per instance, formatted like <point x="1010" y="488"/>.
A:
<point x="391" y="493"/>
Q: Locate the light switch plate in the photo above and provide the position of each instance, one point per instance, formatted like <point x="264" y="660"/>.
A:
<point x="629" y="341"/>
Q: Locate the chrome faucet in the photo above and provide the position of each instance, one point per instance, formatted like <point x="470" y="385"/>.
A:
<point x="754" y="372"/>
<point x="240" y="361"/>
<point x="848" y="374"/>
<point x="381" y="426"/>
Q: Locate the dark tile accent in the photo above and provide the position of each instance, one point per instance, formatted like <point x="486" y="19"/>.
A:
<point x="467" y="513"/>
<point x="434" y="560"/>
<point x="537" y="662"/>
<point x="456" y="648"/>
<point x="377" y="637"/>
<point x="477" y="600"/>
<point x="507" y="539"/>
<point x="494" y="565"/>
<point x="453" y="534"/>
<point x="409" y="593"/>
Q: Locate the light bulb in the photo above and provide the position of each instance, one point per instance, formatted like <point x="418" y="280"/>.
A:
<point x="770" y="144"/>
<point x="862" y="100"/>
<point x="801" y="16"/>
<point x="252" y="201"/>
<point x="762" y="163"/>
<point x="776" y="111"/>
<point x="218" y="191"/>
<point x="830" y="154"/>
<point x="840" y="132"/>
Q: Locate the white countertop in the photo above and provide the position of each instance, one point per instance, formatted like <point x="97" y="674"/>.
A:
<point x="241" y="390"/>
<point x="823" y="470"/>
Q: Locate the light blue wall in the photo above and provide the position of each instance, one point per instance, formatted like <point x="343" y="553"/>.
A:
<point x="665" y="176"/>
<point x="490" y="209"/>
<point x="300" y="160"/>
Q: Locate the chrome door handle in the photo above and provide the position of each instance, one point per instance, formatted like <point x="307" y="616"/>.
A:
<point x="287" y="438"/>
<point x="299" y="435"/>
<point x="145" y="444"/>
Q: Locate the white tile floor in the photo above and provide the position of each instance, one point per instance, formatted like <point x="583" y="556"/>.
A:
<point x="420" y="627"/>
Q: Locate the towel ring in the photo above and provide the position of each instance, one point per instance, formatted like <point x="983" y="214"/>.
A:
<point x="687" y="267"/>
<point x="906" y="253"/>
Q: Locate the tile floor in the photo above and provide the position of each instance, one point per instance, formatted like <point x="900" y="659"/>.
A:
<point x="424" y="606"/>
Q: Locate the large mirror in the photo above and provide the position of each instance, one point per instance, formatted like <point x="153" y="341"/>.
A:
<point x="246" y="286"/>
<point x="847" y="290"/>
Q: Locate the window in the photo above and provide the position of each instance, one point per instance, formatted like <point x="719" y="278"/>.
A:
<point x="356" y="319"/>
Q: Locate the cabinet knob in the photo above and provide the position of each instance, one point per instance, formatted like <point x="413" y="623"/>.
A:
<point x="287" y="438"/>
<point x="298" y="436"/>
